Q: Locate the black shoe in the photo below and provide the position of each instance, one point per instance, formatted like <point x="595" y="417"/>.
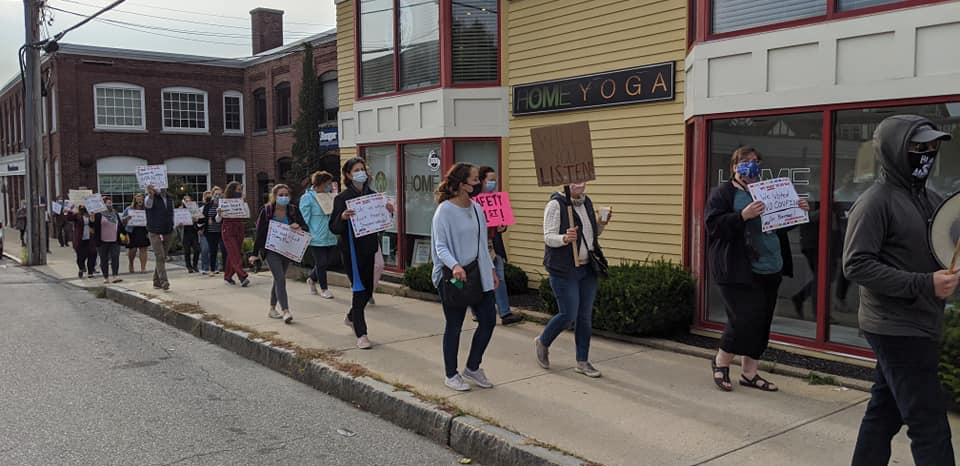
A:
<point x="511" y="318"/>
<point x="80" y="274"/>
<point x="798" y="305"/>
<point x="230" y="281"/>
<point x="191" y="271"/>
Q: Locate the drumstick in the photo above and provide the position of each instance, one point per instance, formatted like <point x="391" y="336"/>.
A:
<point x="956" y="251"/>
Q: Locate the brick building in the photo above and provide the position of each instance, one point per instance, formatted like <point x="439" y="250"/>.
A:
<point x="209" y="120"/>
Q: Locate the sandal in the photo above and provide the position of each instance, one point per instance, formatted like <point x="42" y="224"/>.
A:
<point x="759" y="383"/>
<point x="723" y="379"/>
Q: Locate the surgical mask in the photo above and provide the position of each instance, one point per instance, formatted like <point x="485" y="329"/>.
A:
<point x="328" y="189"/>
<point x="360" y="177"/>
<point x="283" y="200"/>
<point x="749" y="169"/>
<point x="216" y="197"/>
<point x="921" y="163"/>
<point x="491" y="186"/>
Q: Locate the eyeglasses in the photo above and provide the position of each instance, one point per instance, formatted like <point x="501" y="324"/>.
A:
<point x="924" y="146"/>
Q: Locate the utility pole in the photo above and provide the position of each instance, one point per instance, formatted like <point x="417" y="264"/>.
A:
<point x="33" y="139"/>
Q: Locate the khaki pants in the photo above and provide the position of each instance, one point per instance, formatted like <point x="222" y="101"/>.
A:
<point x="160" y="245"/>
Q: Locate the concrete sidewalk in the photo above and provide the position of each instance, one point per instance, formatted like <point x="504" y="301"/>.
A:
<point x="651" y="407"/>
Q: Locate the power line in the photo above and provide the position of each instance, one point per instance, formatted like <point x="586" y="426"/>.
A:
<point x="139" y="28"/>
<point x="221" y="16"/>
<point x="88" y="19"/>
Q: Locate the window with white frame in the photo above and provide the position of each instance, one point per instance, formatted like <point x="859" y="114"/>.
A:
<point x="233" y="112"/>
<point x="118" y="106"/>
<point x="184" y="109"/>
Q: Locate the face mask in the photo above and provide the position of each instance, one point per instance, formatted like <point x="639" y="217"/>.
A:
<point x="491" y="186"/>
<point x="216" y="197"/>
<point x="749" y="170"/>
<point x="360" y="177"/>
<point x="283" y="200"/>
<point x="328" y="189"/>
<point x="477" y="190"/>
<point x="921" y="163"/>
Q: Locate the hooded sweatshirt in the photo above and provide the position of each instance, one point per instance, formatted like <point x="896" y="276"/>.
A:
<point x="887" y="245"/>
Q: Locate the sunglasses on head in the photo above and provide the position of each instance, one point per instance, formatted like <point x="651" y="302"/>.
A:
<point x="924" y="146"/>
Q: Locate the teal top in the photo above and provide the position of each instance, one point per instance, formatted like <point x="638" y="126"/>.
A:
<point x="317" y="221"/>
<point x="285" y="220"/>
<point x="767" y="245"/>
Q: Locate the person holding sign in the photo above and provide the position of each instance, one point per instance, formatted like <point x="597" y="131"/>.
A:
<point x="84" y="240"/>
<point x="190" y="240"/>
<point x="357" y="252"/>
<point x="278" y="209"/>
<point x="573" y="283"/>
<point x="213" y="229"/>
<point x="903" y="289"/>
<point x="106" y="232"/>
<point x="463" y="273"/>
<point x="498" y="250"/>
<point x="323" y="244"/>
<point x="137" y="239"/>
<point x="748" y="265"/>
<point x="159" y="206"/>
<point x="233" y="232"/>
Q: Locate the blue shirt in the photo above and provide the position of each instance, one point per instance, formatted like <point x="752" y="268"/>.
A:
<point x="767" y="245"/>
<point x="285" y="220"/>
<point x="317" y="220"/>
<point x="457" y="241"/>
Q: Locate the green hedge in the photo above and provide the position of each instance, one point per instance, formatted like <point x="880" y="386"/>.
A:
<point x="950" y="357"/>
<point x="645" y="298"/>
<point x="419" y="278"/>
<point x="516" y="278"/>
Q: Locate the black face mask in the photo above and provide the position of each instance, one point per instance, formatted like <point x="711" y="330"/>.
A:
<point x="921" y="163"/>
<point x="477" y="190"/>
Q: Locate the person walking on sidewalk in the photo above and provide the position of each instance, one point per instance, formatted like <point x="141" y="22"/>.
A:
<point x="233" y="233"/>
<point x="201" y="224"/>
<point x="748" y="265"/>
<point x="459" y="253"/>
<point x="84" y="241"/>
<point x="497" y="248"/>
<point x="107" y="227"/>
<point x="59" y="222"/>
<point x="213" y="229"/>
<point x="357" y="253"/>
<point x="159" y="206"/>
<point x="191" y="244"/>
<point x="278" y="209"/>
<point x="323" y="242"/>
<point x="902" y="295"/>
<point x="574" y="284"/>
<point x="22" y="222"/>
<point x="137" y="238"/>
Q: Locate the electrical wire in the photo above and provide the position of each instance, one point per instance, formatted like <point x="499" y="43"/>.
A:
<point x="140" y="28"/>
<point x="103" y="10"/>
<point x="218" y="15"/>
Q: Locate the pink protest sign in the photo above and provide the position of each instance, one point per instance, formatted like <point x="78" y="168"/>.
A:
<point x="496" y="207"/>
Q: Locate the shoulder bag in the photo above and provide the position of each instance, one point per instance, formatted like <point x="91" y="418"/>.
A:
<point x="466" y="292"/>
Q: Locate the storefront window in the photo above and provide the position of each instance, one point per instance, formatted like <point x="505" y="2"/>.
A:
<point x="420" y="182"/>
<point x="382" y="167"/>
<point x="854" y="170"/>
<point x="475" y="45"/>
<point x="847" y="5"/>
<point x="419" y="44"/>
<point x="376" y="46"/>
<point x="734" y="15"/>
<point x="791" y="146"/>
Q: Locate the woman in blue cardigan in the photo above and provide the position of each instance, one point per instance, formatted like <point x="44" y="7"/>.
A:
<point x="324" y="242"/>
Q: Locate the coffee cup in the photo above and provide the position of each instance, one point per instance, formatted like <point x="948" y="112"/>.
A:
<point x="605" y="214"/>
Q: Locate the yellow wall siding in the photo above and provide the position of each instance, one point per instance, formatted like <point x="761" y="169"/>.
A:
<point x="346" y="66"/>
<point x="638" y="148"/>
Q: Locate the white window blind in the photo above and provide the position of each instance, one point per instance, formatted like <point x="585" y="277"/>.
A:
<point x="475" y="41"/>
<point x="419" y="43"/>
<point x="734" y="15"/>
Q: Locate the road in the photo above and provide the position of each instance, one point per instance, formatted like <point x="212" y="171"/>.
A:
<point x="87" y="381"/>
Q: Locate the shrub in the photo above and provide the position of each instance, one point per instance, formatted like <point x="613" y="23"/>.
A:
<point x="950" y="357"/>
<point x="645" y="298"/>
<point x="516" y="278"/>
<point x="419" y="278"/>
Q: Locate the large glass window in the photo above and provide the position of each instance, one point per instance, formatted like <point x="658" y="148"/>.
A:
<point x="475" y="42"/>
<point x="419" y="43"/>
<point x="260" y="109"/>
<point x="233" y="112"/>
<point x="192" y="185"/>
<point x="854" y="170"/>
<point x="376" y="46"/>
<point x="331" y="97"/>
<point x="382" y="168"/>
<point x="119" y="106"/>
<point x="419" y="204"/>
<point x="281" y="96"/>
<point x="478" y="153"/>
<point x="184" y="110"/>
<point x="791" y="146"/>
<point x="734" y="15"/>
<point x="120" y="188"/>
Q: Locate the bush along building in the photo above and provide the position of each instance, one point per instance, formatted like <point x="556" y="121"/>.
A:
<point x="209" y="120"/>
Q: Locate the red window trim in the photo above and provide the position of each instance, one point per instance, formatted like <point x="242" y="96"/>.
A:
<point x="696" y="261"/>
<point x="446" y="54"/>
<point x="704" y="32"/>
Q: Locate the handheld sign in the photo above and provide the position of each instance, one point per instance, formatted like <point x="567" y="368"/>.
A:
<point x="496" y="207"/>
<point x="286" y="241"/>
<point x="76" y="196"/>
<point x="182" y="217"/>
<point x="152" y="174"/>
<point x="194" y="209"/>
<point x="371" y="216"/>
<point x="94" y="204"/>
<point x="326" y="202"/>
<point x="234" y="208"/>
<point x="138" y="218"/>
<point x="780" y="200"/>
<point x="945" y="233"/>
<point x="56" y="207"/>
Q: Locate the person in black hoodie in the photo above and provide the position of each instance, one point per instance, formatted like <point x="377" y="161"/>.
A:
<point x="748" y="266"/>
<point x="902" y="295"/>
<point x="159" y="206"/>
<point x="358" y="253"/>
<point x="107" y="227"/>
<point x="279" y="209"/>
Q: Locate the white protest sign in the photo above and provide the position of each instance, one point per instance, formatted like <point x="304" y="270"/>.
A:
<point x="94" y="204"/>
<point x="152" y="174"/>
<point x="326" y="202"/>
<point x="194" y="209"/>
<point x="77" y="195"/>
<point x="138" y="218"/>
<point x="286" y="241"/>
<point x="182" y="217"/>
<point x="234" y="208"/>
<point x="371" y="216"/>
<point x="57" y="207"/>
<point x="780" y="201"/>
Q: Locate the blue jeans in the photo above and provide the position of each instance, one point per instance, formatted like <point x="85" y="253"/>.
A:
<point x="486" y="321"/>
<point x="575" y="293"/>
<point x="906" y="390"/>
<point x="204" y="254"/>
<point x="503" y="298"/>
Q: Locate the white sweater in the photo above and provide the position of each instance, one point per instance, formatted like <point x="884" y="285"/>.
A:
<point x="551" y="225"/>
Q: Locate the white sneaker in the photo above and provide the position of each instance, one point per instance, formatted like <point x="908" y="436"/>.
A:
<point x="326" y="294"/>
<point x="363" y="342"/>
<point x="456" y="382"/>
<point x="313" y="286"/>
<point x="287" y="317"/>
<point x="478" y="377"/>
<point x="273" y="314"/>
<point x="347" y="322"/>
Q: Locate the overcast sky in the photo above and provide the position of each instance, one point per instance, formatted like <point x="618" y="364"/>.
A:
<point x="226" y="22"/>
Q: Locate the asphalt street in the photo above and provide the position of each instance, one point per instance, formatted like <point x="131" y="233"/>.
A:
<point x="86" y="381"/>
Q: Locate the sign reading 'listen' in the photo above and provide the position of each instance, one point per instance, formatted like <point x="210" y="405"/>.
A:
<point x="644" y="84"/>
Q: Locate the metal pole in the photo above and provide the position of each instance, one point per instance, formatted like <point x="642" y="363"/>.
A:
<point x="33" y="140"/>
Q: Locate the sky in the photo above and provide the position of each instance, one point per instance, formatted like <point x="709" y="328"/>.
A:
<point x="184" y="26"/>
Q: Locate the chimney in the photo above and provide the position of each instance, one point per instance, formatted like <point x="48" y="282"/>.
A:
<point x="267" y="26"/>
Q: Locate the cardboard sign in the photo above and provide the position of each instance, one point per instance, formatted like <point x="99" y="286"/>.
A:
<point x="94" y="204"/>
<point x="780" y="201"/>
<point x="783" y="219"/>
<point x="286" y="241"/>
<point x="138" y="218"/>
<point x="182" y="217"/>
<point x="326" y="202"/>
<point x="234" y="208"/>
<point x="496" y="207"/>
<point x="194" y="209"/>
<point x="152" y="174"/>
<point x="371" y="216"/>
<point x="563" y="154"/>
<point x="76" y="196"/>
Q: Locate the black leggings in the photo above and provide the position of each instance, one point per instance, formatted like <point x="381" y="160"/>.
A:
<point x="322" y="257"/>
<point x="749" y="315"/>
<point x="86" y="257"/>
<point x="214" y="243"/>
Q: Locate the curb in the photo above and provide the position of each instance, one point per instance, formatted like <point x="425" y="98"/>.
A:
<point x="467" y="435"/>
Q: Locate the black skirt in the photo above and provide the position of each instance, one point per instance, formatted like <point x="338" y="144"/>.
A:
<point x="138" y="238"/>
<point x="749" y="315"/>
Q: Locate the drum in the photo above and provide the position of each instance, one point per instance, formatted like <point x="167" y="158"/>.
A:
<point x="945" y="230"/>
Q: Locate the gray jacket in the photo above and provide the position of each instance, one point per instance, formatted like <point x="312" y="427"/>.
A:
<point x="887" y="246"/>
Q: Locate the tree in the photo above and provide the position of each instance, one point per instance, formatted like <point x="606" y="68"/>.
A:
<point x="306" y="148"/>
